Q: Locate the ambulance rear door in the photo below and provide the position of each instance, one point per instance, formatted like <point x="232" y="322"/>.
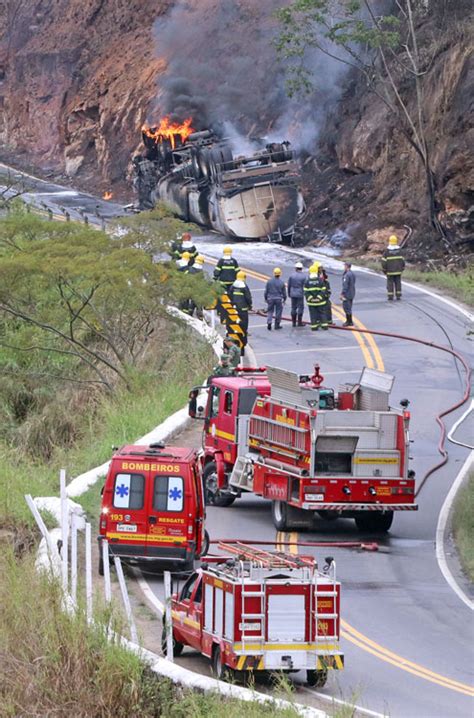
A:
<point x="127" y="518"/>
<point x="171" y="511"/>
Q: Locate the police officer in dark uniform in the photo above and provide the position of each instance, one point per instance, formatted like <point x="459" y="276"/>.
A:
<point x="296" y="293"/>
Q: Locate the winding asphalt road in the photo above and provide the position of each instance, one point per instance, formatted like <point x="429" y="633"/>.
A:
<point x="407" y="637"/>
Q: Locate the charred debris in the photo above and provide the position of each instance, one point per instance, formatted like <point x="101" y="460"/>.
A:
<point x="204" y="180"/>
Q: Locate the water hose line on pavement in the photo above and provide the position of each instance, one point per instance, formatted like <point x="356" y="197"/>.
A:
<point x="439" y="417"/>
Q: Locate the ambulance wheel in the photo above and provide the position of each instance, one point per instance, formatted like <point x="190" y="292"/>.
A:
<point x="316" y="679"/>
<point x="220" y="670"/>
<point x="177" y="646"/>
<point x="374" y="521"/>
<point x="214" y="497"/>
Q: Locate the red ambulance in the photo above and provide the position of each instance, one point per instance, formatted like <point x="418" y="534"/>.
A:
<point x="153" y="506"/>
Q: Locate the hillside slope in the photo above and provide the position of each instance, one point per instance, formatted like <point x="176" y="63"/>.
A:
<point x="77" y="80"/>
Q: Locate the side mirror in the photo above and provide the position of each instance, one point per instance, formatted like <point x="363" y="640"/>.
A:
<point x="192" y="405"/>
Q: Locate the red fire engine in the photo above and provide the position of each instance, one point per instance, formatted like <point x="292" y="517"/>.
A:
<point x="260" y="611"/>
<point x="287" y="438"/>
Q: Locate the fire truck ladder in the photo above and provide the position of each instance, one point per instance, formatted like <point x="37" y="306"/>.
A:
<point x="261" y="559"/>
<point x="332" y="614"/>
<point x="265" y="559"/>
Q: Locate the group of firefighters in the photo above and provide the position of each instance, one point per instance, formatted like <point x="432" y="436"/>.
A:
<point x="314" y="288"/>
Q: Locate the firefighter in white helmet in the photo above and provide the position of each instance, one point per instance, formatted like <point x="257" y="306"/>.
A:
<point x="296" y="293"/>
<point x="275" y="296"/>
<point x="393" y="264"/>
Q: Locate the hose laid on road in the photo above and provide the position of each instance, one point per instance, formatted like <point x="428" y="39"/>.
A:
<point x="439" y="417"/>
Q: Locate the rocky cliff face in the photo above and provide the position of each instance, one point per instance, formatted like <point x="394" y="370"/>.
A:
<point x="77" y="79"/>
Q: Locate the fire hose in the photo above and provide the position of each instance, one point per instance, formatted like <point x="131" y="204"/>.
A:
<point x="439" y="417"/>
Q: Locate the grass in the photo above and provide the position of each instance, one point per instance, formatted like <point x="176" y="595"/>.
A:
<point x="117" y="420"/>
<point x="68" y="668"/>
<point x="463" y="526"/>
<point x="459" y="285"/>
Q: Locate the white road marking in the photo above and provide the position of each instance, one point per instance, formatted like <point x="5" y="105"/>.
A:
<point x="455" y="426"/>
<point x="441" y="528"/>
<point x="147" y="590"/>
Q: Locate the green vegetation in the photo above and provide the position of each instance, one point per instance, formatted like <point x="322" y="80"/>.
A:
<point x="459" y="284"/>
<point x="53" y="662"/>
<point x="89" y="356"/>
<point x="463" y="526"/>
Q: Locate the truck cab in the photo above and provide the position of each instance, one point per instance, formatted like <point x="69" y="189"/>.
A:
<point x="153" y="505"/>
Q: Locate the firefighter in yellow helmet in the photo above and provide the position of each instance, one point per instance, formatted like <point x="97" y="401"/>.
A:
<point x="183" y="262"/>
<point x="275" y="297"/>
<point x="315" y="294"/>
<point x="393" y="264"/>
<point x="225" y="272"/>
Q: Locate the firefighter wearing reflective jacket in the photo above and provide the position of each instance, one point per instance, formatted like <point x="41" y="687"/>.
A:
<point x="327" y="320"/>
<point x="241" y="298"/>
<point x="189" y="247"/>
<point x="183" y="263"/>
<point x="393" y="264"/>
<point x="315" y="293"/>
<point x="226" y="268"/>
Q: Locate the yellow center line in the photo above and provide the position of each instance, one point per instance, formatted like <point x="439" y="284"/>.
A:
<point x="358" y="639"/>
<point x="360" y="338"/>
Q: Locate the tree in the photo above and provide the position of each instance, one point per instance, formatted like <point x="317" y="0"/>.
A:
<point x="383" y="48"/>
<point x="71" y="297"/>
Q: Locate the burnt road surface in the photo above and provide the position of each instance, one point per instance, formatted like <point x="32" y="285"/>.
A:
<point x="407" y="637"/>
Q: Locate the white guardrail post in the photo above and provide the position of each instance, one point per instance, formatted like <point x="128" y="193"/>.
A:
<point x="41" y="525"/>
<point x="168" y="619"/>
<point x="88" y="573"/>
<point x="126" y="599"/>
<point x="64" y="529"/>
<point x="74" y="558"/>
<point x="106" y="562"/>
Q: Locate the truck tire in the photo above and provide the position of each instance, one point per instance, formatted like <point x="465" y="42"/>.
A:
<point x="316" y="679"/>
<point x="205" y="544"/>
<point x="214" y="497"/>
<point x="289" y="517"/>
<point x="101" y="564"/>
<point x="177" y="646"/>
<point x="219" y="669"/>
<point x="374" y="521"/>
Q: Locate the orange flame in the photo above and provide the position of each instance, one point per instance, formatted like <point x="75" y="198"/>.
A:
<point x="107" y="195"/>
<point x="169" y="130"/>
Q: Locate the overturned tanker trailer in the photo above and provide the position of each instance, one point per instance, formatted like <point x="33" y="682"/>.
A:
<point x="200" y="178"/>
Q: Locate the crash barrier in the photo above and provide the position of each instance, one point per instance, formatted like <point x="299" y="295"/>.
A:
<point x="231" y="319"/>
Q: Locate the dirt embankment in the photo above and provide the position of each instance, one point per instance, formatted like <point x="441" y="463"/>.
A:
<point x="77" y="79"/>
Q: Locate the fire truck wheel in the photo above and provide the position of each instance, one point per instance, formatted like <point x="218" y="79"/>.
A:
<point x="101" y="565"/>
<point x="374" y="521"/>
<point x="289" y="517"/>
<point x="205" y="544"/>
<point x="220" y="670"/>
<point x="214" y="497"/>
<point x="177" y="646"/>
<point x="316" y="679"/>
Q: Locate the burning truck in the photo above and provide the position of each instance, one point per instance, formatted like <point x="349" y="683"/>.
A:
<point x="204" y="181"/>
